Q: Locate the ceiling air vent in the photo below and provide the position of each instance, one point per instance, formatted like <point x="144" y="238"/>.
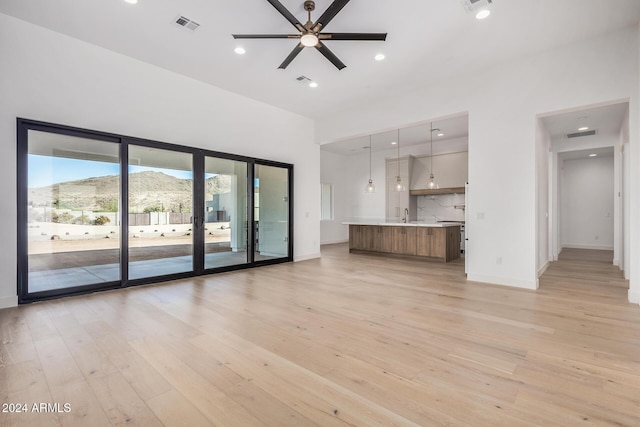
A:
<point x="187" y="23"/>
<point x="579" y="134"/>
<point x="303" y="80"/>
<point x="473" y="5"/>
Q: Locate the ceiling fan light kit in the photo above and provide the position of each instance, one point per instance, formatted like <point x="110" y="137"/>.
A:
<point x="309" y="40"/>
<point x="311" y="34"/>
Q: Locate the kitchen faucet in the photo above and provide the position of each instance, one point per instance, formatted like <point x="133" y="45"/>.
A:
<point x="406" y="215"/>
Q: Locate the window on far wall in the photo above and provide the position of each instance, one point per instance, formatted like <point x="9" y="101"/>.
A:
<point x="326" y="201"/>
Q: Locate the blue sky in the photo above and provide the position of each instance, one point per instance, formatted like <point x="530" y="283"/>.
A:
<point x="48" y="170"/>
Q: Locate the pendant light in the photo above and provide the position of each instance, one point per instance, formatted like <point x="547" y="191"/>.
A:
<point x="370" y="188"/>
<point x="399" y="185"/>
<point x="432" y="185"/>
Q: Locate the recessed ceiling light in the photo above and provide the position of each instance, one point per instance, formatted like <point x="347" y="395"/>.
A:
<point x="583" y="128"/>
<point x="483" y="13"/>
<point x="240" y="50"/>
<point x="593" y="155"/>
<point x="441" y="134"/>
<point x="131" y="1"/>
<point x="313" y="84"/>
<point x="379" y="57"/>
<point x="393" y="142"/>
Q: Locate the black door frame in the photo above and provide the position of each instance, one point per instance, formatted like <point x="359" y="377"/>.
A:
<point x="198" y="156"/>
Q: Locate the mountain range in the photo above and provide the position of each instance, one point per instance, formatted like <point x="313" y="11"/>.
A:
<point x="148" y="191"/>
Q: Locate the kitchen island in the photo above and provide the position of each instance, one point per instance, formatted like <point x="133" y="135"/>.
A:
<point x="429" y="240"/>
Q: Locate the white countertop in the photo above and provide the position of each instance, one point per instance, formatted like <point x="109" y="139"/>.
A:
<point x="401" y="224"/>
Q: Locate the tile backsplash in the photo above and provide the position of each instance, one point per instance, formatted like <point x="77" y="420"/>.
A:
<point x="440" y="208"/>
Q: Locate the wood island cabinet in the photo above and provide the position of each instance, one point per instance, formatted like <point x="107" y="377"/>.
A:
<point x="371" y="238"/>
<point x="433" y="242"/>
<point x="430" y="242"/>
<point x="403" y="240"/>
<point x="360" y="237"/>
<point x="385" y="236"/>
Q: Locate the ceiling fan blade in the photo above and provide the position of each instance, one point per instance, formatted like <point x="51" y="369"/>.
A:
<point x="296" y="50"/>
<point x="329" y="14"/>
<point x="330" y="56"/>
<point x="266" y="36"/>
<point x="288" y="15"/>
<point x="354" y="36"/>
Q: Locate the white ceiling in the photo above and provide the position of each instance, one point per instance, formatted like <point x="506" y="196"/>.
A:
<point x="604" y="120"/>
<point x="428" y="40"/>
<point x="585" y="154"/>
<point x="453" y="128"/>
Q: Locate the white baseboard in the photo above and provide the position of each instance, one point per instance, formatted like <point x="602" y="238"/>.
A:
<point x="6" y="302"/>
<point x="306" y="257"/>
<point x="634" y="297"/>
<point x="504" y="281"/>
<point x="597" y="247"/>
<point x="332" y="242"/>
<point x="543" y="268"/>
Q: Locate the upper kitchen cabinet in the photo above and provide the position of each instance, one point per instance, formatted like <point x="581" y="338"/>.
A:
<point x="450" y="170"/>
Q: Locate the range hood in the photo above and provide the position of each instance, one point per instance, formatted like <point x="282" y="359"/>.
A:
<point x="450" y="170"/>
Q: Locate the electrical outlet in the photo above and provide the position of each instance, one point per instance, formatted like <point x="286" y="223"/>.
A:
<point x="499" y="260"/>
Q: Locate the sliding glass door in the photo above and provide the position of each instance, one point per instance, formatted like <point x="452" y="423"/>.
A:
<point x="271" y="212"/>
<point x="103" y="211"/>
<point x="225" y="212"/>
<point x="72" y="211"/>
<point x="160" y="212"/>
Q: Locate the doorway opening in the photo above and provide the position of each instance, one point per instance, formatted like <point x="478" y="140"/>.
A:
<point x="581" y="176"/>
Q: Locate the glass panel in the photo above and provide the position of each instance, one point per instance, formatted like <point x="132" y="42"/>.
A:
<point x="225" y="205"/>
<point x="160" y="212"/>
<point x="73" y="211"/>
<point x="271" y="212"/>
<point x="326" y="199"/>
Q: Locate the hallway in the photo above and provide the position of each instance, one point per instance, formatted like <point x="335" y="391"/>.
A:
<point x="589" y="273"/>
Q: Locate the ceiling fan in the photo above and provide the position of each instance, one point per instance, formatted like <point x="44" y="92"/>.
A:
<point x="311" y="34"/>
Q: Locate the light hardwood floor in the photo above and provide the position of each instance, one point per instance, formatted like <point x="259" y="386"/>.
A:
<point x="348" y="339"/>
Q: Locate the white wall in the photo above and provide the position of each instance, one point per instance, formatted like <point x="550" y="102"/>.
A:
<point x="618" y="190"/>
<point x="633" y="189"/>
<point x="333" y="170"/>
<point x="543" y="147"/>
<point x="51" y="77"/>
<point x="503" y="103"/>
<point x="360" y="204"/>
<point x="586" y="205"/>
